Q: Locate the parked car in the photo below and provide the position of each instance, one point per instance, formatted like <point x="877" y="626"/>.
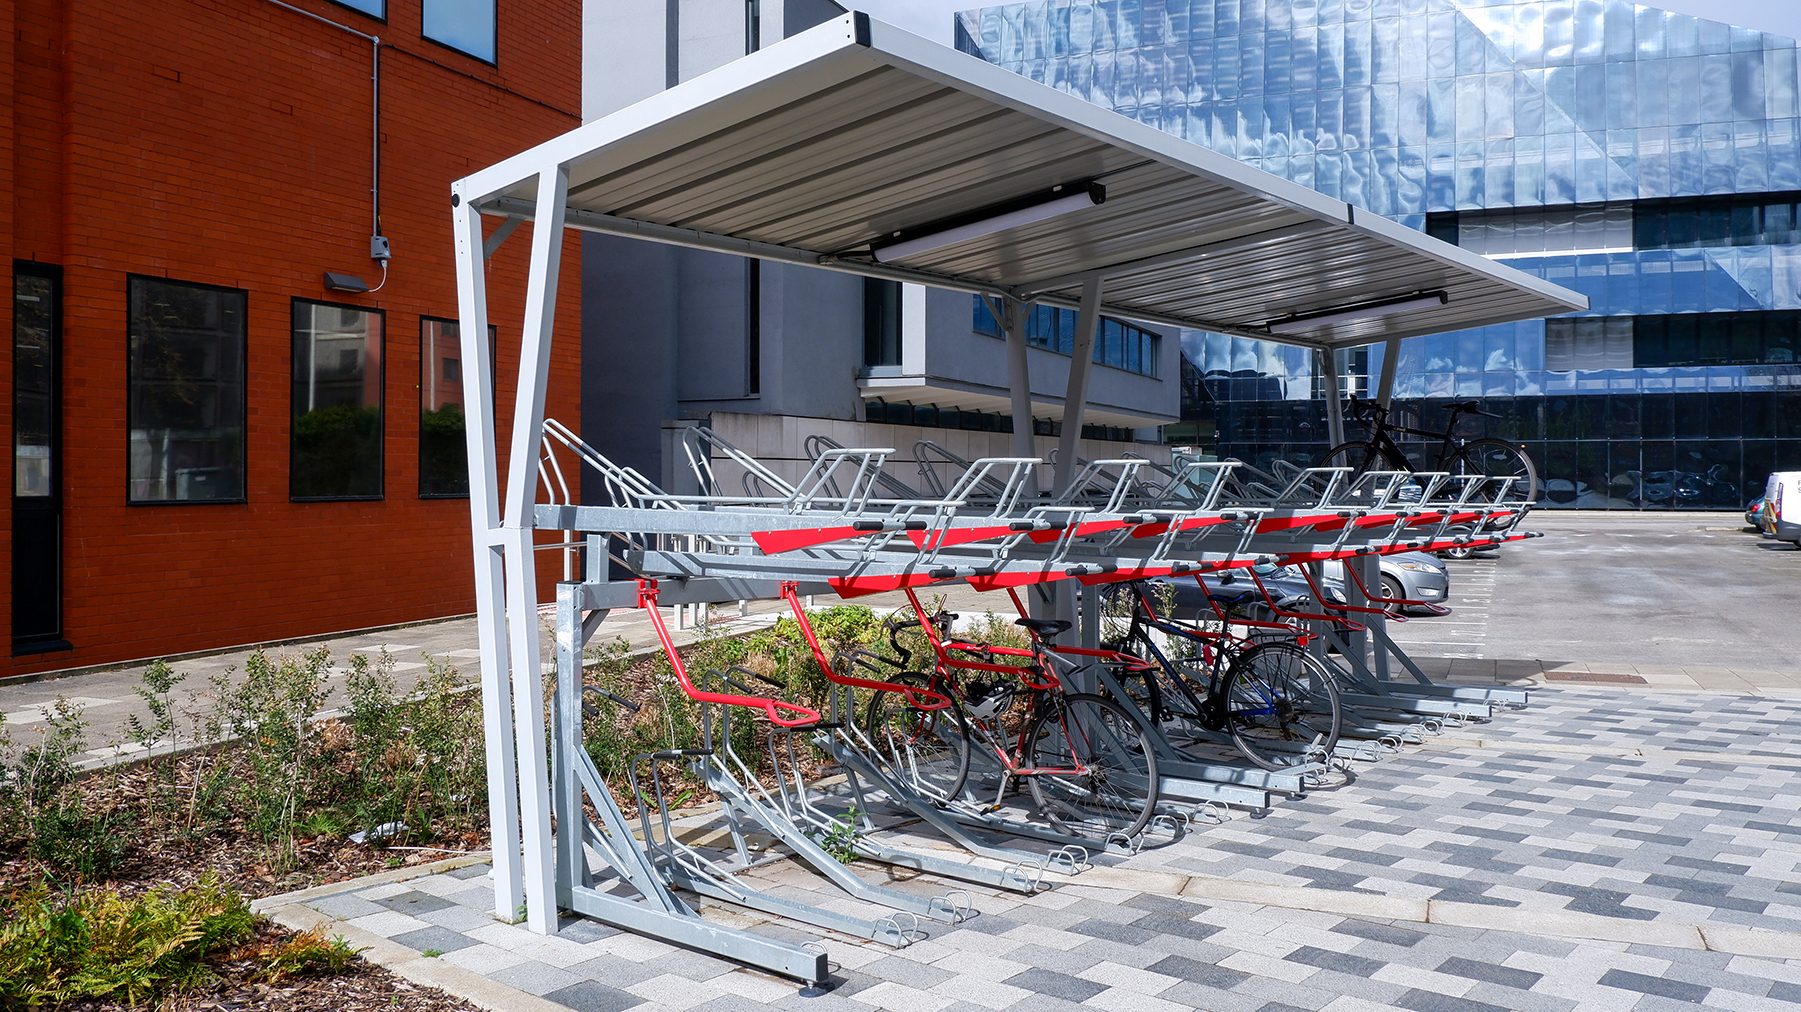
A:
<point x="1754" y="512"/>
<point x="1412" y="577"/>
<point x="1781" y="516"/>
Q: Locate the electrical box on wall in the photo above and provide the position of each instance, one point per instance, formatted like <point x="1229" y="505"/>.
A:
<point x="378" y="248"/>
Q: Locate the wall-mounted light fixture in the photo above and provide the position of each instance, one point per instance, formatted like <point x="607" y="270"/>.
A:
<point x="345" y="283"/>
<point x="1360" y="311"/>
<point x="1060" y="199"/>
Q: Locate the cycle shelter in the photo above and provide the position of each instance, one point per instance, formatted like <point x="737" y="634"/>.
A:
<point x="860" y="148"/>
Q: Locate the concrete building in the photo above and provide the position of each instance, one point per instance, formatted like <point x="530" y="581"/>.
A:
<point x="1648" y="159"/>
<point x="769" y="354"/>
<point x="231" y="421"/>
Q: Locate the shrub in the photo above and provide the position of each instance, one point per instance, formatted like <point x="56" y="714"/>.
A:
<point x="102" y="945"/>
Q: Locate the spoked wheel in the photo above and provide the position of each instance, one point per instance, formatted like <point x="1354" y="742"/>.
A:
<point x="1359" y="456"/>
<point x="928" y="749"/>
<point x="1102" y="778"/>
<point x="1501" y="459"/>
<point x="1282" y="706"/>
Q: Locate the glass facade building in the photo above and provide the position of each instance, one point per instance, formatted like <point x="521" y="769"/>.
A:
<point x="1648" y="159"/>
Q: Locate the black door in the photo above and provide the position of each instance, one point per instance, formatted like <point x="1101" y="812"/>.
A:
<point x="37" y="613"/>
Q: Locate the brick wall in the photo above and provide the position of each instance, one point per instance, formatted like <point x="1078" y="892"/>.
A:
<point x="227" y="142"/>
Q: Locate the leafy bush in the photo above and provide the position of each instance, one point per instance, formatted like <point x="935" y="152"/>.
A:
<point x="100" y="944"/>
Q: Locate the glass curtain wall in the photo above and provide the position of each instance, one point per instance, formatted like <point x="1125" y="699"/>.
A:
<point x="1650" y="160"/>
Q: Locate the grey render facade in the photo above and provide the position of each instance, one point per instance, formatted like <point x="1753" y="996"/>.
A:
<point x="769" y="354"/>
<point x="1650" y="160"/>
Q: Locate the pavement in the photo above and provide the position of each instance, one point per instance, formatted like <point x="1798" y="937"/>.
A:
<point x="1629" y="841"/>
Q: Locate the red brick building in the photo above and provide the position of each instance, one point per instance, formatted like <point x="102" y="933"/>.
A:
<point x="210" y="446"/>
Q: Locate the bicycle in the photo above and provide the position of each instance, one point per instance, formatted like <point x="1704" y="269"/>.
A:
<point x="1277" y="703"/>
<point x="1488" y="455"/>
<point x="1086" y="761"/>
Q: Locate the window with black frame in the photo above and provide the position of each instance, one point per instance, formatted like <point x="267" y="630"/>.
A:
<point x="335" y="448"/>
<point x="443" y="450"/>
<point x="185" y="401"/>
<point x="467" y="26"/>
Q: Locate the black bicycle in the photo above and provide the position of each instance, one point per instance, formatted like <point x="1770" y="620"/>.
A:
<point x="1489" y="456"/>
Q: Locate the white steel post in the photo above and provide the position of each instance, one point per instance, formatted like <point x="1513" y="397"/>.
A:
<point x="484" y="517"/>
<point x="1019" y="379"/>
<point x="1328" y="367"/>
<point x="522" y="580"/>
<point x="1391" y="356"/>
<point x="1075" y="394"/>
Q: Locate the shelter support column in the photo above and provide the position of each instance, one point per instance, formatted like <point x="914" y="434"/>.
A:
<point x="1391" y="356"/>
<point x="536" y="334"/>
<point x="490" y="568"/>
<point x="1075" y="394"/>
<point x="1328" y="370"/>
<point x="1019" y="379"/>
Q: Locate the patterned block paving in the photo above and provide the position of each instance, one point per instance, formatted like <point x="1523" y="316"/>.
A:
<point x="1673" y="808"/>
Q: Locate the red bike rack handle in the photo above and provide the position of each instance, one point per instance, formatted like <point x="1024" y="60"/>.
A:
<point x="772" y="708"/>
<point x="937" y="700"/>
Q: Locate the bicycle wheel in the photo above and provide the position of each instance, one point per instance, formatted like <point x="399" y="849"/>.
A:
<point x="928" y="749"/>
<point x="1360" y="457"/>
<point x="1094" y="773"/>
<point x="1501" y="459"/>
<point x="1282" y="705"/>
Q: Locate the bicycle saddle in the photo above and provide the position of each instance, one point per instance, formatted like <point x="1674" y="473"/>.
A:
<point x="1045" y="627"/>
<point x="1242" y="597"/>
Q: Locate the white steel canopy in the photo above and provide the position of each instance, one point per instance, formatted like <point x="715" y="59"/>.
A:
<point x="842" y="137"/>
<point x="855" y="138"/>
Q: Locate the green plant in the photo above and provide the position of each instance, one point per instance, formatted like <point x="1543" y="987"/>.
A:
<point x="840" y="840"/>
<point x="103" y="945"/>
<point x="156" y="691"/>
<point x="71" y="839"/>
<point x="297" y="955"/>
<point x="432" y="953"/>
<point x="276" y="770"/>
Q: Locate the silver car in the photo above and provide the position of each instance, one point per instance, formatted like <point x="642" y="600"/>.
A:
<point x="1410" y="577"/>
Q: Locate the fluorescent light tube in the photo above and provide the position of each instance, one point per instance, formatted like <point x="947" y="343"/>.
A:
<point x="1058" y="200"/>
<point x="1388" y="307"/>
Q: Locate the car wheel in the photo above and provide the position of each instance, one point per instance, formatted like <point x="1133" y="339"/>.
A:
<point x="1458" y="552"/>
<point x="1391" y="588"/>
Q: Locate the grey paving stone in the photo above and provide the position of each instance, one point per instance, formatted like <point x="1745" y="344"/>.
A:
<point x="414" y="903"/>
<point x="731" y="1003"/>
<point x="1326" y="959"/>
<point x="1057" y="985"/>
<point x="1681" y="990"/>
<point x="472" y="871"/>
<point x="1376" y="932"/>
<point x="989" y="924"/>
<point x="457" y="918"/>
<point x="345" y="906"/>
<point x="481" y="898"/>
<point x="588" y="996"/>
<point x="1072" y="961"/>
<point x="1427" y="1001"/>
<point x="905" y="971"/>
<point x="690" y="964"/>
<point x="581" y="929"/>
<point x="849" y="982"/>
<point x="1782" y="990"/>
<point x="616" y="970"/>
<point x="1164" y="924"/>
<point x="435" y="938"/>
<point x="1123" y="933"/>
<point x="1491" y="972"/>
<point x="534" y="977"/>
<point x="1165" y="905"/>
<point x="1196" y="972"/>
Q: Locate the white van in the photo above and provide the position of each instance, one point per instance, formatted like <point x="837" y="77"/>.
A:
<point x="1781" y="516"/>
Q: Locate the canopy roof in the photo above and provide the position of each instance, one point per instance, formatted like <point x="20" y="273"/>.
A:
<point x="811" y="150"/>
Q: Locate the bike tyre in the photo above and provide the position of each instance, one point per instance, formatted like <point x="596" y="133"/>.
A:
<point x="927" y="748"/>
<point x="1278" y="696"/>
<point x="1119" y="795"/>
<point x="1501" y="458"/>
